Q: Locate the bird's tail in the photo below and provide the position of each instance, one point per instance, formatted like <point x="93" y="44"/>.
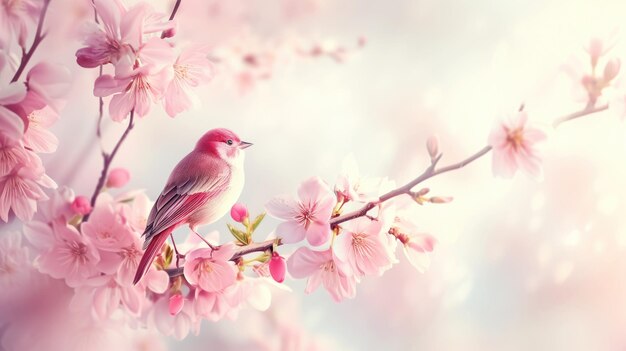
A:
<point x="154" y="246"/>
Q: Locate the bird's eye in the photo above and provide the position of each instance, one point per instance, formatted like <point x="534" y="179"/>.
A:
<point x="229" y="142"/>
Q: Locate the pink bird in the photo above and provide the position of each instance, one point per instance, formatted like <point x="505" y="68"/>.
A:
<point x="201" y="189"/>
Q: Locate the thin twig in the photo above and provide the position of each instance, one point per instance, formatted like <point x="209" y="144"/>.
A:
<point x="107" y="159"/>
<point x="430" y="172"/>
<point x="172" y="15"/>
<point x="36" y="41"/>
<point x="242" y="251"/>
<point x="587" y="111"/>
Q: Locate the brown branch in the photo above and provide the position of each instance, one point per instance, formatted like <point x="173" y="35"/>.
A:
<point x="242" y="251"/>
<point x="172" y="15"/>
<point x="26" y="56"/>
<point x="590" y="109"/>
<point x="430" y="172"/>
<point x="107" y="159"/>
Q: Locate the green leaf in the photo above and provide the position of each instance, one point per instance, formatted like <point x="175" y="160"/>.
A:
<point x="238" y="234"/>
<point x="257" y="221"/>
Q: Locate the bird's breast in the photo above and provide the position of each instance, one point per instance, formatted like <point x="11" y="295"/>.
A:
<point x="217" y="206"/>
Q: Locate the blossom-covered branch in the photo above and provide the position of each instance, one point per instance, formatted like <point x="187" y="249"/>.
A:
<point x="39" y="36"/>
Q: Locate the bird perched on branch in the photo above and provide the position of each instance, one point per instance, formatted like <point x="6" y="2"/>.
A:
<point x="201" y="189"/>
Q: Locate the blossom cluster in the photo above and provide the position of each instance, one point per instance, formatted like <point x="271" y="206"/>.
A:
<point x="28" y="107"/>
<point x="146" y="67"/>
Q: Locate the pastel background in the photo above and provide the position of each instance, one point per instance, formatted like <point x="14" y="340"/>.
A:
<point x="520" y="265"/>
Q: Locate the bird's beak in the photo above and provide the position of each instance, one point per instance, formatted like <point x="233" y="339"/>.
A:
<point x="244" y="145"/>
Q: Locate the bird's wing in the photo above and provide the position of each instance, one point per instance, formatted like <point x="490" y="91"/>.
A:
<point x="194" y="181"/>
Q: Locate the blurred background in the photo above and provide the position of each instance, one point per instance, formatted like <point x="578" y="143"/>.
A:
<point x="520" y="264"/>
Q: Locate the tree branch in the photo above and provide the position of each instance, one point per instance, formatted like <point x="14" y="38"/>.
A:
<point x="172" y="15"/>
<point x="36" y="41"/>
<point x="430" y="172"/>
<point x="587" y="111"/>
<point x="107" y="159"/>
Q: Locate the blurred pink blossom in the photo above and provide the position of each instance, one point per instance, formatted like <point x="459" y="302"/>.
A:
<point x="513" y="141"/>
<point x="117" y="178"/>
<point x="322" y="268"/>
<point x="11" y="124"/>
<point x="15" y="19"/>
<point x="176" y="303"/>
<point x="72" y="256"/>
<point x="81" y="205"/>
<point x="307" y="217"/>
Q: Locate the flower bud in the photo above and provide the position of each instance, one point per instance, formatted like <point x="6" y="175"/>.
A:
<point x="277" y="267"/>
<point x="118" y="177"/>
<point x="432" y="145"/>
<point x="176" y="303"/>
<point x="595" y="50"/>
<point x="611" y="70"/>
<point x="440" y="199"/>
<point x="169" y="33"/>
<point x="81" y="205"/>
<point x="239" y="212"/>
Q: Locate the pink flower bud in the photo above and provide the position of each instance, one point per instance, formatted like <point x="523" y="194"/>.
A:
<point x="81" y="205"/>
<point x="176" y="303"/>
<point x="432" y="145"/>
<point x="118" y="177"/>
<point x="277" y="267"/>
<point x="239" y="212"/>
<point x="595" y="49"/>
<point x="611" y="69"/>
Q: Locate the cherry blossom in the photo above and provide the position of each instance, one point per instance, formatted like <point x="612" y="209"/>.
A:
<point x="118" y="178"/>
<point x="322" y="268"/>
<point x="72" y="256"/>
<point x="514" y="146"/>
<point x="277" y="267"/>
<point x="364" y="246"/>
<point x="239" y="212"/>
<point x="15" y="19"/>
<point x="210" y="269"/>
<point x="20" y="190"/>
<point x="192" y="68"/>
<point x="308" y="216"/>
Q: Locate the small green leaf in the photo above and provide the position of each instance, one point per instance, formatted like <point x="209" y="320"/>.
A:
<point x="238" y="234"/>
<point x="169" y="254"/>
<point x="257" y="221"/>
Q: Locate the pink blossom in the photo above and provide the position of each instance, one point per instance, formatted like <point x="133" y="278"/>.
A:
<point x="72" y="257"/>
<point x="15" y="19"/>
<point x="176" y="303"/>
<point x="47" y="82"/>
<point x="118" y="178"/>
<point x="20" y="190"/>
<point x="134" y="208"/>
<point x="104" y="295"/>
<point x="105" y="228"/>
<point x="307" y="217"/>
<point x="277" y="267"/>
<point x="12" y="154"/>
<point x="213" y="306"/>
<point x="81" y="205"/>
<point x="513" y="142"/>
<point x="351" y="186"/>
<point x="192" y="68"/>
<point x="364" y="247"/>
<point x="14" y="266"/>
<point x="37" y="137"/>
<point x="416" y="245"/>
<point x="134" y="88"/>
<point x="11" y="124"/>
<point x="322" y="268"/>
<point x="210" y="269"/>
<point x="177" y="326"/>
<point x="123" y="32"/>
<point x="239" y="212"/>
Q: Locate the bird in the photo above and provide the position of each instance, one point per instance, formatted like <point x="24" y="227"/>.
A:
<point x="200" y="190"/>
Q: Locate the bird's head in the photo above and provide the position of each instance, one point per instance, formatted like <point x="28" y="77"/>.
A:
<point x="222" y="143"/>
